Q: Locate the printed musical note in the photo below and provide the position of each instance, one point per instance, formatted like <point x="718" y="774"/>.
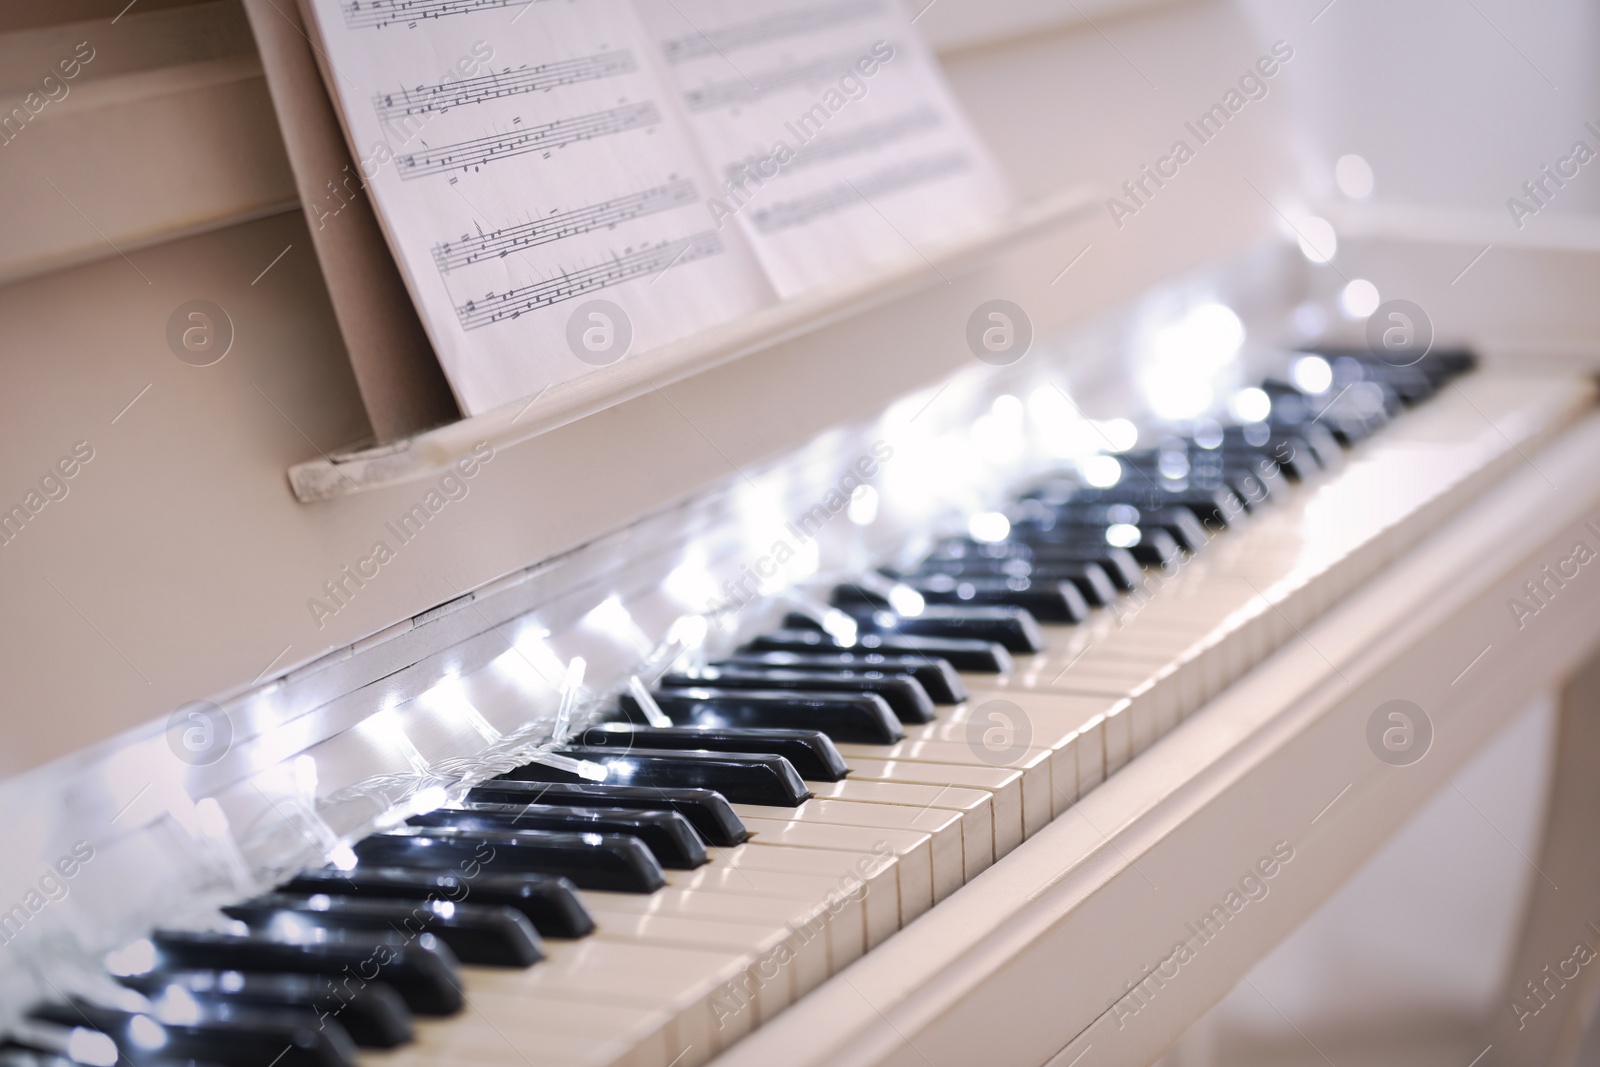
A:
<point x="497" y="244"/>
<point x="469" y="155"/>
<point x="788" y="24"/>
<point x="744" y="90"/>
<point x="495" y="86"/>
<point x="801" y="210"/>
<point x="375" y="14"/>
<point x="641" y="263"/>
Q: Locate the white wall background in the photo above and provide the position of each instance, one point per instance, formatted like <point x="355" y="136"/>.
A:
<point x="1455" y="103"/>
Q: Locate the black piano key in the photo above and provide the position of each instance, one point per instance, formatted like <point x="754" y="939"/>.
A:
<point x="1349" y="370"/>
<point x="1088" y="578"/>
<point x="1439" y="366"/>
<point x="1447" y="363"/>
<point x="548" y="901"/>
<point x="374" y="1016"/>
<point x="1012" y="628"/>
<point x="1156" y="546"/>
<point x="1040" y="524"/>
<point x="905" y="696"/>
<point x="1216" y="508"/>
<point x="216" y="1033"/>
<point x="1318" y="439"/>
<point x="742" y="777"/>
<point x="666" y="834"/>
<point x="1182" y="524"/>
<point x="962" y="653"/>
<point x="1063" y="546"/>
<point x="422" y="970"/>
<point x="1044" y="599"/>
<point x="483" y="934"/>
<point x="1256" y="486"/>
<point x="938" y="677"/>
<point x="708" y="811"/>
<point x="1350" y="425"/>
<point x="1055" y="498"/>
<point x="591" y="861"/>
<point x="811" y="752"/>
<point x="1409" y="384"/>
<point x="1292" y="452"/>
<point x="1252" y="486"/>
<point x="850" y="718"/>
<point x="1352" y="430"/>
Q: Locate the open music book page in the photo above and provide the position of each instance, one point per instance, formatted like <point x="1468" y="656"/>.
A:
<point x="829" y="129"/>
<point x="536" y="181"/>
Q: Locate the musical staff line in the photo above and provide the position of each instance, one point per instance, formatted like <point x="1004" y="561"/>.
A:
<point x="863" y="138"/>
<point x="497" y="85"/>
<point x="744" y="34"/>
<point x="376" y="14"/>
<point x="746" y="90"/>
<point x="513" y="303"/>
<point x="497" y="244"/>
<point x="471" y="155"/>
<point x="798" y="212"/>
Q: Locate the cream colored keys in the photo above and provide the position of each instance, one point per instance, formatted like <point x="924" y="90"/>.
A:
<point x="842" y="907"/>
<point x="687" y="983"/>
<point x="1003" y="785"/>
<point x="1033" y="763"/>
<point x="677" y="916"/>
<point x="1085" y="735"/>
<point x="943" y="828"/>
<point x="767" y="984"/>
<point x="975" y="806"/>
<point x="914" y="851"/>
<point x="872" y="878"/>
<point x="500" y="1030"/>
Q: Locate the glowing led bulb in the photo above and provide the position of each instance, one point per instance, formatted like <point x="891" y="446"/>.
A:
<point x="1120" y="434"/>
<point x="1311" y="374"/>
<point x="863" y="508"/>
<point x="1101" y="471"/>
<point x="989" y="526"/>
<point x="1250" y="405"/>
<point x="1123" y="535"/>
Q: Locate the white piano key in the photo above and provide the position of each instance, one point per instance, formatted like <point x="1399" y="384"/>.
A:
<point x="497" y="1030"/>
<point x="944" y="828"/>
<point x="1034" y="763"/>
<point x="914" y="852"/>
<point x="706" y="892"/>
<point x="1077" y="729"/>
<point x="688" y="983"/>
<point x="729" y="922"/>
<point x="1003" y="785"/>
<point x="767" y="985"/>
<point x="975" y="806"/>
<point x="873" y="879"/>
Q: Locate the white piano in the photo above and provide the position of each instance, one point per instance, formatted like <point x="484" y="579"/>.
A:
<point x="1139" y="629"/>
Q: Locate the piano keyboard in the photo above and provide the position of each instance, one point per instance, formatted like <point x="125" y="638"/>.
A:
<point x="811" y="799"/>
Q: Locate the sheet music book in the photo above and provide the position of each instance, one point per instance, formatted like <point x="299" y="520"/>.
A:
<point x="565" y="183"/>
